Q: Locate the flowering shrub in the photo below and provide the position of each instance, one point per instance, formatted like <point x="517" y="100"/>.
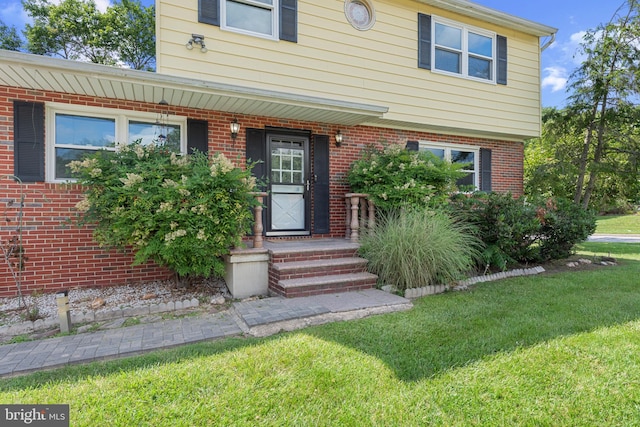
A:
<point x="183" y="212"/>
<point x="395" y="177"/>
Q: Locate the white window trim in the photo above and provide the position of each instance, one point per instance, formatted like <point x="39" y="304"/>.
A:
<point x="466" y="29"/>
<point x="424" y="145"/>
<point x="121" y="117"/>
<point x="275" y="19"/>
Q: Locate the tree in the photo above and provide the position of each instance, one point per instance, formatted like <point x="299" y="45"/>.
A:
<point x="9" y="38"/>
<point x="552" y="162"/>
<point x="604" y="87"/>
<point x="77" y="30"/>
<point x="134" y="28"/>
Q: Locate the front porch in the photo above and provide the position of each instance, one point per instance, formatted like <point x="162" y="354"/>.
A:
<point x="296" y="267"/>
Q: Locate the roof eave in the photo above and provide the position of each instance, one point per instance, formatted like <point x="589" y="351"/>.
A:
<point x="474" y="10"/>
<point x="45" y="73"/>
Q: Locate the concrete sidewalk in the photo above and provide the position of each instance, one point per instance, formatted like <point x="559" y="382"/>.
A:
<point x="615" y="238"/>
<point x="259" y="317"/>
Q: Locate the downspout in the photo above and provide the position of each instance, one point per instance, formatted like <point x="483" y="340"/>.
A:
<point x="549" y="42"/>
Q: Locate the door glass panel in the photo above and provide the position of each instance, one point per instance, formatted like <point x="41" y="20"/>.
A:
<point x="287" y="165"/>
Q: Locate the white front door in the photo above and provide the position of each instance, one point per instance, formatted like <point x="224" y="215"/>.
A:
<point x="289" y="185"/>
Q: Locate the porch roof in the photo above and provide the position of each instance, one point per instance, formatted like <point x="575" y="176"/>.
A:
<point x="79" y="78"/>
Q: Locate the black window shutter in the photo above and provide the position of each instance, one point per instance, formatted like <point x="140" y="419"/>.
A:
<point x="209" y="12"/>
<point x="321" y="223"/>
<point x="501" y="77"/>
<point x="485" y="169"/>
<point x="289" y="20"/>
<point x="256" y="152"/>
<point x="424" y="41"/>
<point x="28" y="143"/>
<point x="197" y="136"/>
<point x="412" y="146"/>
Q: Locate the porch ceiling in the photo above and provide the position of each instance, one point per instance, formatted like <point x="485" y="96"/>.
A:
<point x="59" y="75"/>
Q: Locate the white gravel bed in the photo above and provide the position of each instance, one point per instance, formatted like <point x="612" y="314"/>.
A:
<point x="82" y="300"/>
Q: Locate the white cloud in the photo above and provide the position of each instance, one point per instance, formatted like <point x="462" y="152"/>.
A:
<point x="556" y="78"/>
<point x="102" y="5"/>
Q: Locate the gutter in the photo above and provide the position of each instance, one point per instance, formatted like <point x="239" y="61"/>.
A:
<point x="549" y="42"/>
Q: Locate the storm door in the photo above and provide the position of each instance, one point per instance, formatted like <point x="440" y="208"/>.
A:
<point x="289" y="208"/>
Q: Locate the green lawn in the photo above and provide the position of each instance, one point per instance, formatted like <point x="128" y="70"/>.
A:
<point x="560" y="349"/>
<point x="618" y="224"/>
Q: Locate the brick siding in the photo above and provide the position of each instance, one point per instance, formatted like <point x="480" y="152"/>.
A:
<point x="62" y="256"/>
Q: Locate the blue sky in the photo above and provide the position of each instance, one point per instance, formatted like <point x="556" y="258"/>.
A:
<point x="571" y="17"/>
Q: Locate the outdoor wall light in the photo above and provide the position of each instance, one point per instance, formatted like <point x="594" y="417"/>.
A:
<point x="196" y="39"/>
<point x="235" y="128"/>
<point x="338" y="139"/>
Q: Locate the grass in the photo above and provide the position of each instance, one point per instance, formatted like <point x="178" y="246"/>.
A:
<point x="618" y="224"/>
<point x="557" y="350"/>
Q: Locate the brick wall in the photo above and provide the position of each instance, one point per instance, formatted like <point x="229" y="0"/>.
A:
<point x="62" y="256"/>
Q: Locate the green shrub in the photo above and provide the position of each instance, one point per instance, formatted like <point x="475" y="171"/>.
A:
<point x="418" y="247"/>
<point x="183" y="212"/>
<point x="563" y="224"/>
<point x="395" y="177"/>
<point x="520" y="229"/>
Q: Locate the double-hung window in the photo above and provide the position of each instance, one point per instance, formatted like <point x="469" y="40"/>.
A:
<point x="461" y="154"/>
<point x="465" y="51"/>
<point x="75" y="132"/>
<point x="255" y="17"/>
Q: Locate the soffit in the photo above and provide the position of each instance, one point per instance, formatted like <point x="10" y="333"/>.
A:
<point x="52" y="74"/>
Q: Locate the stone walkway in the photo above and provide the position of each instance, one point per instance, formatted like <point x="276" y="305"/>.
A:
<point x="261" y="317"/>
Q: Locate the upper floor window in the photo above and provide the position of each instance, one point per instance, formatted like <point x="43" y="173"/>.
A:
<point x="464" y="51"/>
<point x="257" y="17"/>
<point x="453" y="48"/>
<point x="272" y="19"/>
<point x="76" y="132"/>
<point x="466" y="155"/>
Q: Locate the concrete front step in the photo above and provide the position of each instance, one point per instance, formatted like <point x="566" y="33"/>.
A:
<point x="324" y="284"/>
<point x="321" y="267"/>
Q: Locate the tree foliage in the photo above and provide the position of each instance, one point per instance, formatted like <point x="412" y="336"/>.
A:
<point x="604" y="88"/>
<point x="77" y="30"/>
<point x="590" y="150"/>
<point x="9" y="38"/>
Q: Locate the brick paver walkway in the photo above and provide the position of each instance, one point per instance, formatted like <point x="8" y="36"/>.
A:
<point x="259" y="317"/>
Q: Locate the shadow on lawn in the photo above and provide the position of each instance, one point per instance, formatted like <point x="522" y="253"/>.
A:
<point x="441" y="332"/>
<point x="450" y="330"/>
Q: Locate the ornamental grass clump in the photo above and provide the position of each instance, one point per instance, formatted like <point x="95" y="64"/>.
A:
<point x="182" y="212"/>
<point x="418" y="247"/>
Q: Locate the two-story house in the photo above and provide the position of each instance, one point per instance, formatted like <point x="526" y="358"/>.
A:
<point x="308" y="84"/>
